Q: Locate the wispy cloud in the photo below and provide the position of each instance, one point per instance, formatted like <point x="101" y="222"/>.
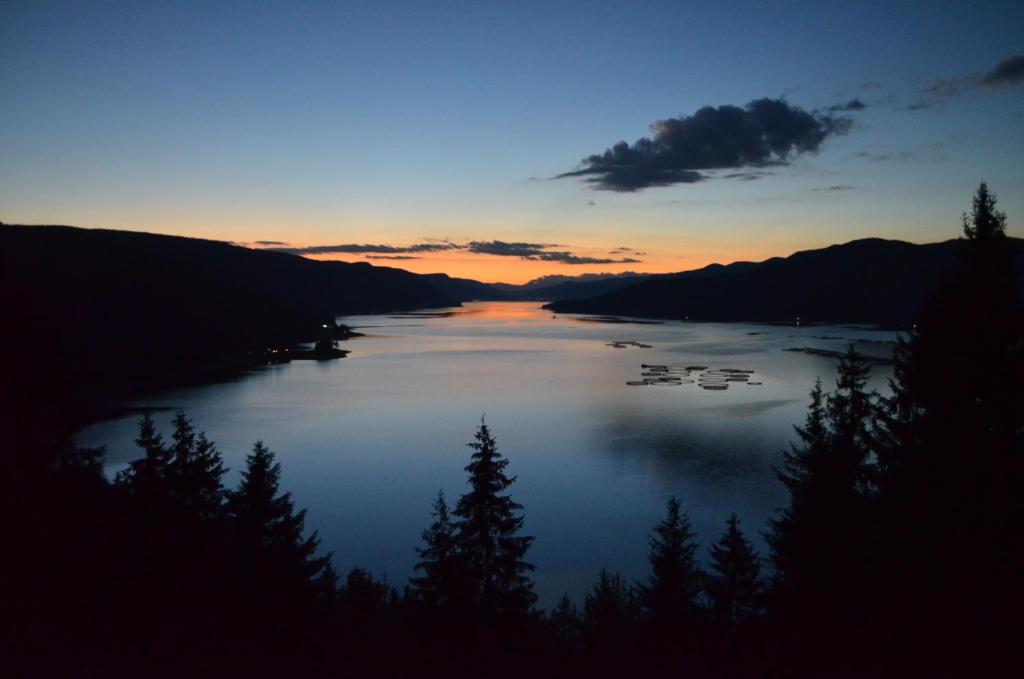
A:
<point x="836" y="187"/>
<point x="851" y="105"/>
<point x="270" y="242"/>
<point x="1009" y="72"/>
<point x="544" y="252"/>
<point x="540" y="252"/>
<point x="916" y="106"/>
<point x="882" y="157"/>
<point x="365" y="249"/>
<point x="762" y="133"/>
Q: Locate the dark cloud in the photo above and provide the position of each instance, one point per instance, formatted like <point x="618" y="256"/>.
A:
<point x="544" y="252"/>
<point x="359" y="249"/>
<point x="852" y="105"/>
<point x="871" y="85"/>
<point x="918" y="106"/>
<point x="1008" y="73"/>
<point x="882" y="157"/>
<point x="836" y="187"/>
<point x="763" y="133"/>
<point x="539" y="252"/>
<point x="270" y="242"/>
<point x="744" y="176"/>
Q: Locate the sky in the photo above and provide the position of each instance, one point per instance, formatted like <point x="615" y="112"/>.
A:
<point x="479" y="139"/>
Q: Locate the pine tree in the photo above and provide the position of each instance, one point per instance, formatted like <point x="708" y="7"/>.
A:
<point x="438" y="585"/>
<point x="146" y="474"/>
<point x="269" y="527"/>
<point x="670" y="596"/>
<point x="974" y="325"/>
<point x="610" y="614"/>
<point x="565" y="622"/>
<point x="490" y="549"/>
<point x="195" y="470"/>
<point x="364" y="599"/>
<point x="734" y="585"/>
<point x="830" y="479"/>
<point x="952" y="462"/>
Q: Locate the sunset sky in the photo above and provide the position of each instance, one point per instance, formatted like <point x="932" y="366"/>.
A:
<point x="470" y="137"/>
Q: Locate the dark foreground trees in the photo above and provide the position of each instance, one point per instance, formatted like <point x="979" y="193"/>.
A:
<point x="951" y="461"/>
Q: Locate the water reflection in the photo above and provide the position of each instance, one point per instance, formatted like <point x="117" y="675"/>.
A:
<point x="366" y="441"/>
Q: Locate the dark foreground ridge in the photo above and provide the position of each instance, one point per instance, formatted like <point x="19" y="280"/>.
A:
<point x="885" y="282"/>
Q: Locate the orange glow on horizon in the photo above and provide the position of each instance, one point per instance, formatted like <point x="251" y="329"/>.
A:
<point x="514" y="270"/>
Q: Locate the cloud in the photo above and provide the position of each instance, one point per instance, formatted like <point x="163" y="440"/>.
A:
<point x="1008" y="73"/>
<point x="359" y="249"/>
<point x="945" y="88"/>
<point x="882" y="157"/>
<point x="852" y="105"/>
<point x="836" y="187"/>
<point x="763" y="133"/>
<point x="543" y="252"/>
<point x="540" y="252"/>
<point x="917" y="106"/>
<point x="744" y="176"/>
<point x="270" y="242"/>
<point x="871" y="85"/>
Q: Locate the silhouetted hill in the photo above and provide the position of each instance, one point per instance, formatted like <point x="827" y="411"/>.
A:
<point x="93" y="314"/>
<point x="580" y="289"/>
<point x="590" y="285"/>
<point x="863" y="281"/>
<point x="467" y="290"/>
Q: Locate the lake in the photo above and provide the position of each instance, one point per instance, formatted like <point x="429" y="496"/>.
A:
<point x="366" y="441"/>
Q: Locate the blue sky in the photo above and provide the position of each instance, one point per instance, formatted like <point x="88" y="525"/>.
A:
<point x="334" y="123"/>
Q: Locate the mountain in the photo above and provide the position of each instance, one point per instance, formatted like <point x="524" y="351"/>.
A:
<point x="555" y="279"/>
<point x="92" y="314"/>
<point x="467" y="290"/>
<point x="864" y="281"/>
<point x="581" y="289"/>
<point x="557" y="286"/>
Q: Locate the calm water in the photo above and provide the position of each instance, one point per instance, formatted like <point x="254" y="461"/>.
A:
<point x="365" y="442"/>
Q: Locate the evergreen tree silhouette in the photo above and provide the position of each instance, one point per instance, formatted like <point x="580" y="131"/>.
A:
<point x="195" y="470"/>
<point x="952" y="462"/>
<point x="823" y="544"/>
<point x="565" y="622"/>
<point x="489" y="547"/>
<point x="269" y="527"/>
<point x="611" y="611"/>
<point x="439" y="584"/>
<point x="670" y="595"/>
<point x="364" y="600"/>
<point x="734" y="585"/>
<point x="148" y="473"/>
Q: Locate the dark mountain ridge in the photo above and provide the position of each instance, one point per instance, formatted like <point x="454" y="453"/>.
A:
<point x="871" y="280"/>
<point x="93" y="315"/>
<point x="466" y="289"/>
